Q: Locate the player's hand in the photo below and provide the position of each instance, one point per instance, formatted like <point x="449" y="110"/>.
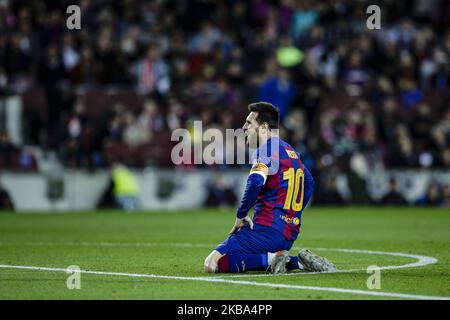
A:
<point x="239" y="223"/>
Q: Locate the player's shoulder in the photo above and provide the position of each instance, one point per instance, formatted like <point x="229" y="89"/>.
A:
<point x="287" y="151"/>
<point x="268" y="155"/>
<point x="274" y="150"/>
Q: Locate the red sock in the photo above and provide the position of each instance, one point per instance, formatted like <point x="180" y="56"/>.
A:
<point x="223" y="264"/>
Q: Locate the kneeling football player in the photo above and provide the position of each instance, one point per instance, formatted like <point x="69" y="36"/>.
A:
<point x="279" y="187"/>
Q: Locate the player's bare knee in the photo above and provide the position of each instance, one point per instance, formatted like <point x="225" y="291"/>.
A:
<point x="210" y="264"/>
<point x="209" y="268"/>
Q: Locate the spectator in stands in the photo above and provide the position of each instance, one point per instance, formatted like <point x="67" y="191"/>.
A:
<point x="355" y="74"/>
<point x="432" y="196"/>
<point x="5" y="200"/>
<point x="219" y="193"/>
<point x="278" y="90"/>
<point x="125" y="187"/>
<point x="76" y="130"/>
<point x="152" y="73"/>
<point x="330" y="195"/>
<point x="446" y="196"/>
<point x="304" y="17"/>
<point x="50" y="73"/>
<point x="7" y="151"/>
<point x="297" y="125"/>
<point x="441" y="140"/>
<point x="401" y="152"/>
<point x="205" y="40"/>
<point x="445" y="158"/>
<point x="134" y="133"/>
<point x="393" y="197"/>
<point x="107" y="200"/>
<point x="175" y="115"/>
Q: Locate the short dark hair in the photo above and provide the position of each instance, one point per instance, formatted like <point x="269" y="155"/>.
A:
<point x="267" y="112"/>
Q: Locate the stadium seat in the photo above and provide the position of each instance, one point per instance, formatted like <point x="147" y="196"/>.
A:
<point x="118" y="151"/>
<point x="34" y="101"/>
<point x="129" y="98"/>
<point x="97" y="102"/>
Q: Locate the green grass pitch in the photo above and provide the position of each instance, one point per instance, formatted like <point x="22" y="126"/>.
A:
<point x="176" y="243"/>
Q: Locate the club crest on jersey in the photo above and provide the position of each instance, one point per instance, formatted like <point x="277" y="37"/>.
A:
<point x="292" y="154"/>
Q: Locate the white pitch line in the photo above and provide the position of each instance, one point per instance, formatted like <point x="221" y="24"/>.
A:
<point x="250" y="283"/>
<point x="421" y="261"/>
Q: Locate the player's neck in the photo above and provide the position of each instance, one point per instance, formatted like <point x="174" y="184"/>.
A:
<point x="264" y="138"/>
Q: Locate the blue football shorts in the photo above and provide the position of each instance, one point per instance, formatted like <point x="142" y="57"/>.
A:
<point x="261" y="239"/>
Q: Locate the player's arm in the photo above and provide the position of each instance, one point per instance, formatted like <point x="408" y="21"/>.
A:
<point x="255" y="181"/>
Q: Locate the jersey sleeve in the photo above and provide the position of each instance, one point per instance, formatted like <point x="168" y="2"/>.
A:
<point x="255" y="182"/>
<point x="261" y="169"/>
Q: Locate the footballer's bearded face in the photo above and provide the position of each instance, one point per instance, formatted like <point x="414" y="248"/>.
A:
<point x="251" y="130"/>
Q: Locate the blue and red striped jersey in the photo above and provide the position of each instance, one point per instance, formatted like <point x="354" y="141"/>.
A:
<point x="286" y="190"/>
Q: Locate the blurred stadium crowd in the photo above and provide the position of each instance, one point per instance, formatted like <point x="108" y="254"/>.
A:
<point x="350" y="97"/>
